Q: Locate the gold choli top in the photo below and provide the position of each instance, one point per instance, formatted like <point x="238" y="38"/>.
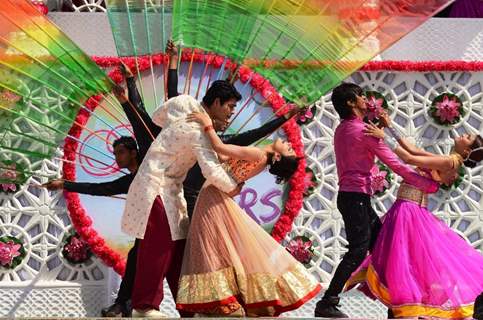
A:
<point x="411" y="193"/>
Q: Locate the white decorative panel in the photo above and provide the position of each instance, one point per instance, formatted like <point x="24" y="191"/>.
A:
<point x="45" y="284"/>
<point x="84" y="5"/>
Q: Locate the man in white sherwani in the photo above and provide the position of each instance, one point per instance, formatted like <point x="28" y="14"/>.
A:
<point x="155" y="207"/>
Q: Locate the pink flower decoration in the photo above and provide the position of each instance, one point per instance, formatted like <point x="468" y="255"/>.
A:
<point x="306" y="116"/>
<point x="77" y="250"/>
<point x="448" y="109"/>
<point x="308" y="181"/>
<point x="375" y="108"/>
<point x="10" y="96"/>
<point x="9" y="186"/>
<point x="300" y="249"/>
<point x="378" y="180"/>
<point x="41" y="6"/>
<point x="9" y="173"/>
<point x="8" y="251"/>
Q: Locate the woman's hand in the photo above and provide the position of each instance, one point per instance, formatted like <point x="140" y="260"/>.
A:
<point x="448" y="177"/>
<point x="56" y="184"/>
<point x="201" y="118"/>
<point x="171" y="48"/>
<point x="374" y="131"/>
<point x="296" y="111"/>
<point x="384" y="119"/>
<point x="237" y="190"/>
<point x="172" y="52"/>
<point x="125" y="70"/>
<point x="222" y="158"/>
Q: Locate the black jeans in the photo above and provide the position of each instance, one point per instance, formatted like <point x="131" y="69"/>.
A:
<point x="478" y="310"/>
<point x="127" y="283"/>
<point x="362" y="225"/>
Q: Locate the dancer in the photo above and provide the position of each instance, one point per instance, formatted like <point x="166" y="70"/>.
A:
<point x="155" y="208"/>
<point x="127" y="156"/>
<point x="355" y="155"/>
<point x="231" y="265"/>
<point x="419" y="266"/>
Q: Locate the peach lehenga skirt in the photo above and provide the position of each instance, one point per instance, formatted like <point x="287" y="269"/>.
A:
<point x="230" y="262"/>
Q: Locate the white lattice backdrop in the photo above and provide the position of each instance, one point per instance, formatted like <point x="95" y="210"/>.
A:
<point x="46" y="285"/>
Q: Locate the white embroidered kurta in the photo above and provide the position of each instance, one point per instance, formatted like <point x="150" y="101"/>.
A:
<point x="163" y="170"/>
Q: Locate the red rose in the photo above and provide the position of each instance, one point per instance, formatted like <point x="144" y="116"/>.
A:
<point x="257" y="81"/>
<point x="218" y="61"/>
<point x="245" y="74"/>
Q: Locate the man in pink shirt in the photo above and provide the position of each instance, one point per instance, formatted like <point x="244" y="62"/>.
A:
<point x="355" y="155"/>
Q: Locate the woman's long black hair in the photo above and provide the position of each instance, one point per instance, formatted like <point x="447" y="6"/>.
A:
<point x="476" y="154"/>
<point x="284" y="168"/>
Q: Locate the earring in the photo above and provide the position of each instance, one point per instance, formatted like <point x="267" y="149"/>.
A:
<point x="276" y="157"/>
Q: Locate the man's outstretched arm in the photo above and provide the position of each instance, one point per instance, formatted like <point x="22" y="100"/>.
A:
<point x="251" y="136"/>
<point x="118" y="186"/>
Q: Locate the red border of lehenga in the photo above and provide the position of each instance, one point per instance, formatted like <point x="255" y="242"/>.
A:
<point x="277" y="304"/>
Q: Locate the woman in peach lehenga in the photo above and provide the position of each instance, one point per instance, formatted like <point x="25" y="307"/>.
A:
<point x="231" y="265"/>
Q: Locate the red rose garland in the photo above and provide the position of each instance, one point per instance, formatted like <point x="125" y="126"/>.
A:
<point x="81" y="220"/>
<point x="387" y="65"/>
<point x="423" y="66"/>
<point x="79" y="217"/>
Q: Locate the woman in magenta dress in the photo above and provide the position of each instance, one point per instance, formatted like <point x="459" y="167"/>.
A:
<point x="231" y="265"/>
<point x="419" y="266"/>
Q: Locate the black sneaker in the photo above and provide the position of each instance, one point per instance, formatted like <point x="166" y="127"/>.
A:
<point x="127" y="313"/>
<point x="327" y="308"/>
<point x="117" y="310"/>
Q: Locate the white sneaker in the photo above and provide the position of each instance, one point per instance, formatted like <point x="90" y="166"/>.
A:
<point x="149" y="313"/>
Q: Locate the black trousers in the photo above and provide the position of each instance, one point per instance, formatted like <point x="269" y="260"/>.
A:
<point x="127" y="283"/>
<point x="362" y="225"/>
<point x="478" y="311"/>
